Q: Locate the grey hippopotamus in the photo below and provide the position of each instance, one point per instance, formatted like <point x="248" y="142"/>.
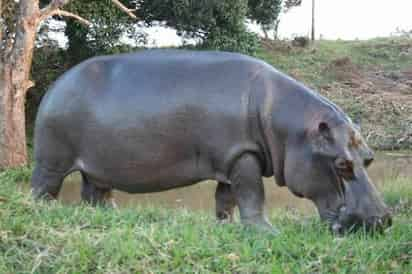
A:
<point x="162" y="119"/>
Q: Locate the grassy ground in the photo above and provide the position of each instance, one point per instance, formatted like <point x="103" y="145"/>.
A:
<point x="368" y="79"/>
<point x="37" y="237"/>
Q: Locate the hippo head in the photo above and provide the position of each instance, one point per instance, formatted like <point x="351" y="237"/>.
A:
<point x="327" y="165"/>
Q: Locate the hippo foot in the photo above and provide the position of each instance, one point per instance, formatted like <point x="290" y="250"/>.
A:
<point x="46" y="197"/>
<point x="105" y="204"/>
<point x="224" y="221"/>
<point x="260" y="225"/>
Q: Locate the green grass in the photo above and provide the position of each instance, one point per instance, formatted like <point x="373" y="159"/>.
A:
<point x="386" y="53"/>
<point x="38" y="237"/>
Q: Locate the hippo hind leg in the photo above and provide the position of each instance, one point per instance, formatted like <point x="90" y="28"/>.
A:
<point x="46" y="183"/>
<point x="54" y="160"/>
<point x="94" y="195"/>
<point x="247" y="187"/>
<point x="225" y="202"/>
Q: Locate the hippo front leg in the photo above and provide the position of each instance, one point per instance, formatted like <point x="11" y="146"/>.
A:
<point x="225" y="202"/>
<point x="247" y="187"/>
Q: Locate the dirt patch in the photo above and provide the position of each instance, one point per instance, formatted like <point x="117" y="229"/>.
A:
<point x="371" y="80"/>
<point x="344" y="71"/>
<point x="280" y="46"/>
<point x="382" y="98"/>
<point x="396" y="82"/>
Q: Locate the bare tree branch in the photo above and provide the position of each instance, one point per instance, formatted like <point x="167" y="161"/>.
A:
<point x="54" y="9"/>
<point x="60" y="12"/>
<point x="54" y="5"/>
<point x="124" y="8"/>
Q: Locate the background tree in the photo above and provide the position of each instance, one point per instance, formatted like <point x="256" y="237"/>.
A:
<point x="291" y="3"/>
<point x="265" y="13"/>
<point x="217" y="24"/>
<point x="103" y="37"/>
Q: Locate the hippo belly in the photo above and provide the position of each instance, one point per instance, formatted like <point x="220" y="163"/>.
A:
<point x="143" y="158"/>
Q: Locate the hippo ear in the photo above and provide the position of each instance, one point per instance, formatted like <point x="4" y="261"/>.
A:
<point x="321" y="139"/>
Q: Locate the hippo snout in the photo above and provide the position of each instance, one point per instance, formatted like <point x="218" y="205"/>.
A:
<point x="353" y="222"/>
<point x="379" y="223"/>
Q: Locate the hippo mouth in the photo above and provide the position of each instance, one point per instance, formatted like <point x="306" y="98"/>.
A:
<point x="335" y="217"/>
<point x="343" y="221"/>
<point x="347" y="223"/>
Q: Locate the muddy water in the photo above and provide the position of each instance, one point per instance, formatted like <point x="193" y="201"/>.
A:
<point x="201" y="196"/>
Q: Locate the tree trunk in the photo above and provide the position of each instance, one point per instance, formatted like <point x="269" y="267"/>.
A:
<point x="14" y="82"/>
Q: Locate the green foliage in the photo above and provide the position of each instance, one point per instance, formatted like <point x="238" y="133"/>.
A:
<point x="218" y="24"/>
<point x="220" y="39"/>
<point x="264" y="12"/>
<point x="8" y="12"/>
<point x="109" y="23"/>
<point x="38" y="237"/>
<point x="194" y="18"/>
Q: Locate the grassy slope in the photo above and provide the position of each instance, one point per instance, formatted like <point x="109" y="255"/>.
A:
<point x="368" y="79"/>
<point x="54" y="238"/>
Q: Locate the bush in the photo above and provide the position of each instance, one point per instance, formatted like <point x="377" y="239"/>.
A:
<point x="217" y="24"/>
<point x="244" y="42"/>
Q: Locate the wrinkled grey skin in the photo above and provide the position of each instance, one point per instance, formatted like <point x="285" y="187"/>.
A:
<point x="162" y="119"/>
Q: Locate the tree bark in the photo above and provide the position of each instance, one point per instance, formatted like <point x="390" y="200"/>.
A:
<point x="14" y="83"/>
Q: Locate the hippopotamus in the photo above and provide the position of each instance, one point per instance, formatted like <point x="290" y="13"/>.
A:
<point x="161" y="119"/>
